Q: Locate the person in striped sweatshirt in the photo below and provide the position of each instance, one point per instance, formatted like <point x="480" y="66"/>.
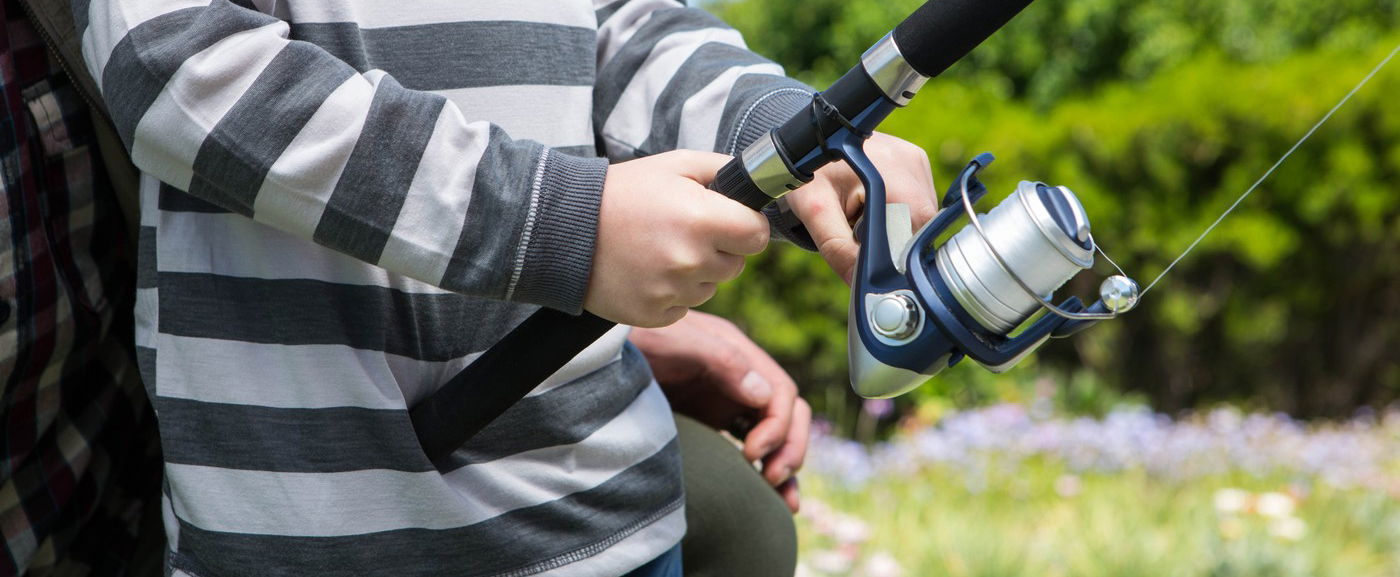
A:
<point x="343" y="202"/>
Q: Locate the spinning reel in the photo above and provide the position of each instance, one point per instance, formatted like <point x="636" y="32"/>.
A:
<point x="916" y="308"/>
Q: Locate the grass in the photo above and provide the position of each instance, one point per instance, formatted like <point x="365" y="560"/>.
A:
<point x="993" y="515"/>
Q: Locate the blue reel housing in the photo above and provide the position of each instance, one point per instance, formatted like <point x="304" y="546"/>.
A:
<point x="943" y="333"/>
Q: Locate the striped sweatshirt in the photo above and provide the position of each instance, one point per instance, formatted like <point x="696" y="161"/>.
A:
<point x="343" y="203"/>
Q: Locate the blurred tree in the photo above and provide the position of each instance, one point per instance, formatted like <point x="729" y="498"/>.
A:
<point x="1067" y="47"/>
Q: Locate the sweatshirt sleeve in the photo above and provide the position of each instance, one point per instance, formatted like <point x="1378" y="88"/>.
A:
<point x="672" y="77"/>
<point x="213" y="98"/>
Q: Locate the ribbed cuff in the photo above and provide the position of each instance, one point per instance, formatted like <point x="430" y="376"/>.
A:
<point x="559" y="239"/>
<point x="768" y="111"/>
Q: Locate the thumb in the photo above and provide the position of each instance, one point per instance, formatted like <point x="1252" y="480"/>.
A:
<point x="734" y="377"/>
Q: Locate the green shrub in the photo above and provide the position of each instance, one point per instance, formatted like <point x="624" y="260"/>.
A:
<point x="1158" y="116"/>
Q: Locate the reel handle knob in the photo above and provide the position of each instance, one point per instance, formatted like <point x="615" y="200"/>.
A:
<point x="895" y="316"/>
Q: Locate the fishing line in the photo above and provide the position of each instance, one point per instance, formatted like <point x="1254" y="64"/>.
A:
<point x="1261" y="179"/>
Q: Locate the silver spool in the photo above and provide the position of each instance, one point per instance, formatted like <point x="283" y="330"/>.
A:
<point x="1035" y="247"/>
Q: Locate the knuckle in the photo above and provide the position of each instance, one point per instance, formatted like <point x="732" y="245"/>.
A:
<point x="661" y="297"/>
<point x="730" y="359"/>
<point x="833" y="248"/>
<point x="673" y="315"/>
<point x="736" y="270"/>
<point x="683" y="263"/>
<point x="760" y="236"/>
<point x="799" y="458"/>
<point x="651" y="317"/>
<point x="705" y="292"/>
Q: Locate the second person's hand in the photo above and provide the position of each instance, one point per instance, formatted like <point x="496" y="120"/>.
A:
<point x="712" y="372"/>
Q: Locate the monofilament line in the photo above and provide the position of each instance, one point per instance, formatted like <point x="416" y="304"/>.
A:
<point x="1285" y="156"/>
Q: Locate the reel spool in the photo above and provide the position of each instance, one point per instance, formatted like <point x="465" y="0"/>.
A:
<point x="930" y="307"/>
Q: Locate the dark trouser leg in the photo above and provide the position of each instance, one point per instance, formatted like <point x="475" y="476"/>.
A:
<point x="738" y="526"/>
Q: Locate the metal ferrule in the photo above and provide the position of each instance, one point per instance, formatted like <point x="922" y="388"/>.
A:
<point x="887" y="67"/>
<point x="767" y="168"/>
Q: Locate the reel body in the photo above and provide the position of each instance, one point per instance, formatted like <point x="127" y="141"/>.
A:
<point x="927" y="308"/>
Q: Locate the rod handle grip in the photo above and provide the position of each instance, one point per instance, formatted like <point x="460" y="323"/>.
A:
<point x="941" y="32"/>
<point x="735" y="182"/>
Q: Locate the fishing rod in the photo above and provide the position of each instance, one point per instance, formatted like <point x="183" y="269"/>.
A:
<point x="914" y="309"/>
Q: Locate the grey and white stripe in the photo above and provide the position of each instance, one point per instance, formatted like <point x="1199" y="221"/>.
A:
<point x="347" y="201"/>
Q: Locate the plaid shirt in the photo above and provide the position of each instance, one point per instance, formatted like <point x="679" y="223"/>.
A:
<point x="77" y="448"/>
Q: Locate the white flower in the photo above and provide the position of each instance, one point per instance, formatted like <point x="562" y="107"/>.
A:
<point x="827" y="561"/>
<point x="1068" y="485"/>
<point x="850" y="530"/>
<point x="1275" y="505"/>
<point x="1288" y="529"/>
<point x="881" y="564"/>
<point x="821" y="516"/>
<point x="1231" y="500"/>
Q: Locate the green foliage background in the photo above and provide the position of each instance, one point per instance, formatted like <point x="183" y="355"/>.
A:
<point x="1157" y="114"/>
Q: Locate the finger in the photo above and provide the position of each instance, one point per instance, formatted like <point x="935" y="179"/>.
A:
<point x="782" y="464"/>
<point x="732" y="375"/>
<point x="772" y="429"/>
<point x="696" y="165"/>
<point x="790" y="494"/>
<point x="667" y="317"/>
<point x="721" y="267"/>
<point x="909" y="176"/>
<point x="914" y="189"/>
<point x="760" y="361"/>
<point x="697" y="294"/>
<point x="737" y="229"/>
<point x="826" y="222"/>
<point x="918" y="197"/>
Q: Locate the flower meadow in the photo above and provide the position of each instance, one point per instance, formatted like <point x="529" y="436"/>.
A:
<point x="1011" y="490"/>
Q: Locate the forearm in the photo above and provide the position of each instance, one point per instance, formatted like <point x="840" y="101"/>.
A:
<point x="215" y="100"/>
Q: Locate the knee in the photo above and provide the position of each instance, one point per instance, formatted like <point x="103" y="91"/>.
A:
<point x="738" y="526"/>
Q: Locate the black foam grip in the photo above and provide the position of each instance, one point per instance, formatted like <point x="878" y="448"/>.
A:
<point x="734" y="182"/>
<point x="500" y="377"/>
<point x="941" y="32"/>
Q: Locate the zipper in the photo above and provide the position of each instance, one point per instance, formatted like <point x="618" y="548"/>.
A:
<point x="78" y="87"/>
<point x="77" y="290"/>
